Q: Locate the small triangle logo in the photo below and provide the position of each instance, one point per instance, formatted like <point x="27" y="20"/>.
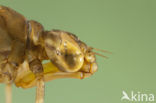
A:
<point x="125" y="96"/>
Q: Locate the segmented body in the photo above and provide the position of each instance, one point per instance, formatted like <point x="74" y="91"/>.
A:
<point x="24" y="44"/>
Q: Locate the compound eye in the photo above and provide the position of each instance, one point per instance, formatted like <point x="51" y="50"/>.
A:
<point x="66" y="54"/>
<point x="72" y="56"/>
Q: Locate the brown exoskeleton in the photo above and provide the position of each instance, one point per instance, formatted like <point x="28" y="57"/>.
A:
<point x="24" y="44"/>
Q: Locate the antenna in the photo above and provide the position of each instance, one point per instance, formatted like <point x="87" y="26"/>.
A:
<point x="104" y="51"/>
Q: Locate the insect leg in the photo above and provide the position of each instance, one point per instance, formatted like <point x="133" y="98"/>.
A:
<point x="34" y="58"/>
<point x="37" y="69"/>
<point x="9" y="69"/>
<point x="8" y="93"/>
<point x="76" y="75"/>
<point x="40" y="91"/>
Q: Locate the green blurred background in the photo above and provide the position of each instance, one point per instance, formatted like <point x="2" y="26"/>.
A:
<point x="124" y="27"/>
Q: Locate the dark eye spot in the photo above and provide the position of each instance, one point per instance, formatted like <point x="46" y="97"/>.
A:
<point x="69" y="59"/>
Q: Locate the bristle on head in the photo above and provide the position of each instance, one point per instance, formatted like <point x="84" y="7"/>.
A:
<point x="100" y="55"/>
<point x="104" y="51"/>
